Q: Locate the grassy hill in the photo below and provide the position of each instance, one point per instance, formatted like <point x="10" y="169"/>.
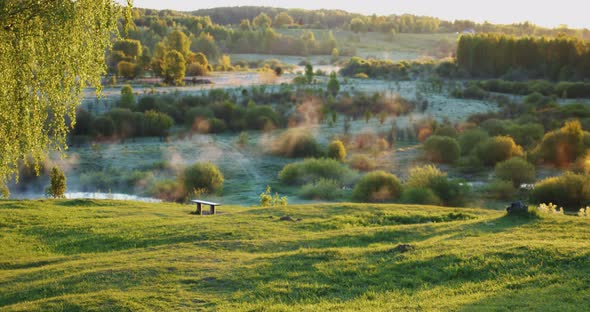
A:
<point x="128" y="256"/>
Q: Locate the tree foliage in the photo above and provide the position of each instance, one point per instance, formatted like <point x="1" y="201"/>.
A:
<point x="49" y="52"/>
<point x="173" y="67"/>
<point x="57" y="186"/>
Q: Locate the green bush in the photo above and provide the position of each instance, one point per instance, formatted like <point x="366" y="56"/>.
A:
<point x="377" y="186"/>
<point x="447" y="131"/>
<point x="569" y="190"/>
<point x="527" y="135"/>
<point x="103" y="126"/>
<point x="470" y="139"/>
<point x="336" y="150"/>
<point x="421" y="176"/>
<point x="362" y="163"/>
<point x="127" y="98"/>
<point x="296" y="143"/>
<point x="496" y="127"/>
<point x="501" y="190"/>
<point x="516" y="170"/>
<point x="217" y="125"/>
<point x="420" y="196"/>
<point x="203" y="176"/>
<point x="497" y="149"/>
<point x="198" y="113"/>
<point x="322" y="189"/>
<point x="57" y="186"/>
<point x="562" y="147"/>
<point x="452" y="192"/>
<point x="442" y="149"/>
<point x="168" y="190"/>
<point x="312" y="169"/>
<point x="156" y="123"/>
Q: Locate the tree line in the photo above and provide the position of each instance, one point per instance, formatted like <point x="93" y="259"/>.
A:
<point x="405" y="23"/>
<point x="496" y="55"/>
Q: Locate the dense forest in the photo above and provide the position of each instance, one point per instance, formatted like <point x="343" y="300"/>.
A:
<point x="495" y="55"/>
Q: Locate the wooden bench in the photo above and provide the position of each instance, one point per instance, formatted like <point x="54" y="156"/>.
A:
<point x="200" y="204"/>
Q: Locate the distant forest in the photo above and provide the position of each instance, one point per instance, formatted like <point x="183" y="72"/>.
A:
<point x="330" y="19"/>
<point x="170" y="44"/>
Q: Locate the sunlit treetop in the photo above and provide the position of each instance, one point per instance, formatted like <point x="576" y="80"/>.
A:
<point x="49" y="52"/>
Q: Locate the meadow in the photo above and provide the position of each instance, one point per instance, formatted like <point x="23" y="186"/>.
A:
<point x="86" y="255"/>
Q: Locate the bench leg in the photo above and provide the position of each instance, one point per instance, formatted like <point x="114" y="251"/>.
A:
<point x="212" y="209"/>
<point x="199" y="209"/>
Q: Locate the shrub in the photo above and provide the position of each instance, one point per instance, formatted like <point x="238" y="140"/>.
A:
<point x="497" y="149"/>
<point x="526" y="135"/>
<point x="377" y="186"/>
<point x="296" y="143"/>
<point x="569" y="190"/>
<point x="516" y="170"/>
<point x="446" y="191"/>
<point x="156" y="123"/>
<point x="562" y="147"/>
<point x="420" y="177"/>
<point x="261" y="118"/>
<point x="196" y="114"/>
<point x="447" y="131"/>
<point x="472" y="92"/>
<point x="442" y="149"/>
<point x="420" y="196"/>
<point x="103" y="126"/>
<point x="147" y="103"/>
<point x="362" y="163"/>
<point x="321" y="189"/>
<point x="470" y="139"/>
<point x="57" y="186"/>
<point x="127" y="98"/>
<point x="495" y="127"/>
<point x="452" y="192"/>
<point x="336" y="150"/>
<point x="217" y="125"/>
<point x="168" y="190"/>
<point x="312" y="169"/>
<point x="501" y="190"/>
<point x="205" y="176"/>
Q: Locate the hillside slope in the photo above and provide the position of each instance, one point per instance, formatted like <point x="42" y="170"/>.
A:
<point x="128" y="256"/>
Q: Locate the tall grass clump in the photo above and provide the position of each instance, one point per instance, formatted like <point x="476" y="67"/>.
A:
<point x="313" y="169"/>
<point x="362" y="163"/>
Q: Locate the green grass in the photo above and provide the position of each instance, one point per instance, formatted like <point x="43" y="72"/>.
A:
<point x="86" y="255"/>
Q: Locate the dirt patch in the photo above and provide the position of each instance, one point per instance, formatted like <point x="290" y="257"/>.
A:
<point x="289" y="218"/>
<point x="402" y="248"/>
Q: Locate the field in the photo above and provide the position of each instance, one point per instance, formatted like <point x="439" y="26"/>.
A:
<point x="84" y="255"/>
<point x="399" y="47"/>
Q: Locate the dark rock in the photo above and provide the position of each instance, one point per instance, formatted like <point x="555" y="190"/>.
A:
<point x="287" y="218"/>
<point x="517" y="207"/>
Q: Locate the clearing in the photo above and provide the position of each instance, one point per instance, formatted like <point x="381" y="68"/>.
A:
<point x="128" y="256"/>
